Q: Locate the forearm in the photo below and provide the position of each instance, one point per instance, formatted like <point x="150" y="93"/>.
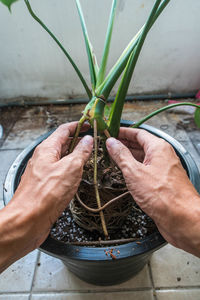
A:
<point x="160" y="186"/>
<point x="179" y="221"/>
<point x="16" y="234"/>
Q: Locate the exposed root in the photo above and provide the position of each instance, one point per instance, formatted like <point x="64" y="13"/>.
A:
<point x="96" y="210"/>
<point x="102" y="180"/>
<point x="107" y="134"/>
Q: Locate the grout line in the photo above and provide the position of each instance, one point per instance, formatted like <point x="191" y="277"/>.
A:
<point x="186" y="287"/>
<point x="14" y="293"/>
<point x="34" y="274"/>
<point x="69" y="292"/>
<point x="78" y="292"/>
<point x="152" y="281"/>
<point x="101" y="291"/>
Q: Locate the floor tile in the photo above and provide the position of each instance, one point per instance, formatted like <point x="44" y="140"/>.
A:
<point x="7" y="157"/>
<point x="18" y="277"/>
<point x="178" y="294"/>
<point x="172" y="267"/>
<point x="143" y="295"/>
<point x="53" y="275"/>
<point x="14" y="297"/>
<point x="25" y="132"/>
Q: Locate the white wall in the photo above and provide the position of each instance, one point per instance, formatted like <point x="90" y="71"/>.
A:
<point x="32" y="65"/>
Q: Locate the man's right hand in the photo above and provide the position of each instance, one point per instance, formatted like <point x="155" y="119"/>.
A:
<point x="159" y="185"/>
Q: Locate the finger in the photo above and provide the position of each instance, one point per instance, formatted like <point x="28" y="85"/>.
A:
<point x="131" y="145"/>
<point x="135" y="149"/>
<point x="121" y="155"/>
<point x="146" y="140"/>
<point x="82" y="151"/>
<point x="60" y="135"/>
<point x="58" y="142"/>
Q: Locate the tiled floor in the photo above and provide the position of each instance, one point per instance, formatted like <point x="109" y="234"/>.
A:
<point x="171" y="273"/>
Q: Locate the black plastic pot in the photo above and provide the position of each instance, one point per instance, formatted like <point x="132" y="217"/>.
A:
<point x="1" y="131"/>
<point x="92" y="264"/>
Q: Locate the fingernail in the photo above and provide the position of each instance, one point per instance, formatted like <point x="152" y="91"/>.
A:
<point x="87" y="140"/>
<point x="111" y="142"/>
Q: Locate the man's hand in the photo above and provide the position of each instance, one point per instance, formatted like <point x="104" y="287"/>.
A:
<point x="47" y="186"/>
<point x="159" y="184"/>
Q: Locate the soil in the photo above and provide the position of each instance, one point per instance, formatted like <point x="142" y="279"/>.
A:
<point x="124" y="219"/>
<point x="136" y="225"/>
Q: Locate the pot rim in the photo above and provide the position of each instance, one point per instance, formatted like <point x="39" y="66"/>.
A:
<point x="58" y="248"/>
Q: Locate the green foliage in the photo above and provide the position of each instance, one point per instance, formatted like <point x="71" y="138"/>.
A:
<point x="8" y="3"/>
<point x="197" y="117"/>
<point x="108" y="117"/>
<point x="93" y="67"/>
<point x="154" y="113"/>
<point x="107" y="110"/>
<point x="102" y="71"/>
<point x="123" y="88"/>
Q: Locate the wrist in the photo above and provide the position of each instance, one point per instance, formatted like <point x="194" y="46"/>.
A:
<point x="188" y="233"/>
<point x="18" y="234"/>
<point x="181" y="222"/>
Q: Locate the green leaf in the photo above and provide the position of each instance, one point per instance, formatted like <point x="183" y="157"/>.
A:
<point x="197" y="117"/>
<point x="103" y="65"/>
<point x="91" y="57"/>
<point x="124" y="84"/>
<point x="156" y="112"/>
<point x="107" y="110"/>
<point x="8" y="3"/>
<point x="112" y="77"/>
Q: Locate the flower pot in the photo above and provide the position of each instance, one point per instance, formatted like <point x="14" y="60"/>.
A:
<point x="1" y="131"/>
<point x="94" y="264"/>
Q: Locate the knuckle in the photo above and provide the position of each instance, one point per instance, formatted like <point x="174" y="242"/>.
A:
<point x="76" y="163"/>
<point x="165" y="146"/>
<point x="63" y="127"/>
<point x="39" y="149"/>
<point x="120" y="154"/>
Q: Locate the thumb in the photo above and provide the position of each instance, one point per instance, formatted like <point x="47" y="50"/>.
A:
<point x="121" y="155"/>
<point x="84" y="149"/>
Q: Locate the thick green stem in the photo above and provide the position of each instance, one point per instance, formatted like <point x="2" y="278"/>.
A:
<point x="89" y="48"/>
<point x="103" y="223"/>
<point x="102" y="69"/>
<point x="118" y="68"/>
<point x="61" y="47"/>
<point x="116" y="111"/>
<point x="154" y="113"/>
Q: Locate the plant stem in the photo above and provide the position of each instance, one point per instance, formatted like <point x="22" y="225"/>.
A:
<point x="103" y="223"/>
<point x="119" y="66"/>
<point x="102" y="69"/>
<point x="61" y="47"/>
<point x="107" y="134"/>
<point x="137" y="124"/>
<point x="89" y="48"/>
<point x="75" y="138"/>
<point x="117" y="107"/>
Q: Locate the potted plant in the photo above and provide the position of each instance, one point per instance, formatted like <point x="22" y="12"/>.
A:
<point x="115" y="261"/>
